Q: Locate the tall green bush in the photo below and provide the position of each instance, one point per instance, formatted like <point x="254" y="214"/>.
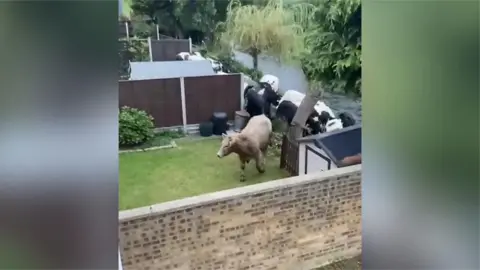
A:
<point x="131" y="50"/>
<point x="334" y="46"/>
<point x="135" y="126"/>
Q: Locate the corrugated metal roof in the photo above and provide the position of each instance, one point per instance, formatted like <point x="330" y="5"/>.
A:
<point x="169" y="69"/>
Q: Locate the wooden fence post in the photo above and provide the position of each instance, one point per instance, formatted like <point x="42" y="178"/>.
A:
<point x="242" y="100"/>
<point x="150" y="48"/>
<point x="283" y="152"/>
<point x="184" y="104"/>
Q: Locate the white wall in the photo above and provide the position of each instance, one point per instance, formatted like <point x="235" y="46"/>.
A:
<point x="315" y="162"/>
<point x="120" y="266"/>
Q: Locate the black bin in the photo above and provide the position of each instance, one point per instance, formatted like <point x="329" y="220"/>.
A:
<point x="206" y="129"/>
<point x="219" y="120"/>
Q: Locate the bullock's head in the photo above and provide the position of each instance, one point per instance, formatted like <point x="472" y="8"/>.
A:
<point x="226" y="147"/>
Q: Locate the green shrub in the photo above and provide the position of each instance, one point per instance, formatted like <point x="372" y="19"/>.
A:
<point x="276" y="144"/>
<point x="135" y="127"/>
<point x="131" y="50"/>
<point x="334" y="57"/>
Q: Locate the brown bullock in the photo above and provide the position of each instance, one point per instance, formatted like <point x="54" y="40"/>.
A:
<point x="251" y="143"/>
<point x="352" y="160"/>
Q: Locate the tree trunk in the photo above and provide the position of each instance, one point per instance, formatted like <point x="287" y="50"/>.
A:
<point x="179" y="33"/>
<point x="254" y="53"/>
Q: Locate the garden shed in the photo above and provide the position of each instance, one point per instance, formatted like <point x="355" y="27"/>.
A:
<point x="325" y="151"/>
<point x="169" y="69"/>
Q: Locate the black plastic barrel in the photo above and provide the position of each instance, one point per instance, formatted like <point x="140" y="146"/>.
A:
<point x="220" y="125"/>
<point x="206" y="129"/>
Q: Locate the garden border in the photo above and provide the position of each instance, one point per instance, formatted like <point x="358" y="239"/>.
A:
<point x="171" y="145"/>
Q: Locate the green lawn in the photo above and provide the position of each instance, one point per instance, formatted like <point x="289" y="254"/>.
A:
<point x="191" y="169"/>
<point x="127" y="7"/>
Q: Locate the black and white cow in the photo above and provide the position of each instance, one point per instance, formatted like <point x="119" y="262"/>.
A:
<point x="270" y="97"/>
<point x="347" y="119"/>
<point x="324" y="117"/>
<point x="254" y="103"/>
<point x="297" y="97"/>
<point x="286" y="110"/>
<point x="259" y="102"/>
<point x="344" y="120"/>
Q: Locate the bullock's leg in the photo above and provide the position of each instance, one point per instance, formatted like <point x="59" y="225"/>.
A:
<point x="264" y="150"/>
<point x="260" y="162"/>
<point x="242" y="169"/>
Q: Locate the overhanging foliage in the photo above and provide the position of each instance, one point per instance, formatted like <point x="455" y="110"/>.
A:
<point x="270" y="29"/>
<point x="178" y="17"/>
<point x="334" y="46"/>
<point x="131" y="50"/>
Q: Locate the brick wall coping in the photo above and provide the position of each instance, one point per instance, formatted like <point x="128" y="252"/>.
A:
<point x="181" y="204"/>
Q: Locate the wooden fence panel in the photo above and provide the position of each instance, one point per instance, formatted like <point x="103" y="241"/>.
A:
<point x="167" y="49"/>
<point x="208" y="94"/>
<point x="161" y="98"/>
<point x="122" y="31"/>
<point x="126" y="95"/>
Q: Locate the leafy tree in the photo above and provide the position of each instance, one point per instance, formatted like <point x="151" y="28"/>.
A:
<point x="143" y="27"/>
<point x="270" y="29"/>
<point x="178" y="17"/>
<point x="131" y="50"/>
<point x="334" y="42"/>
<point x="221" y="6"/>
<point x="332" y="59"/>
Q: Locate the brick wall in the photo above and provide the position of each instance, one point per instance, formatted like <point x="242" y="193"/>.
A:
<point x="293" y="223"/>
